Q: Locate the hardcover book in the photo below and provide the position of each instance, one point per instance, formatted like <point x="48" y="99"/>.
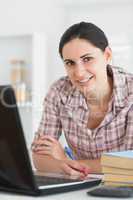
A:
<point x="115" y="170"/>
<point x="118" y="178"/>
<point x="122" y="159"/>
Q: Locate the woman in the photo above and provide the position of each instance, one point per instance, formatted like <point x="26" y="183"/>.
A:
<point x="92" y="105"/>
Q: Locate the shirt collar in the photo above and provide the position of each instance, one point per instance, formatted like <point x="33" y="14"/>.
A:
<point x="119" y="86"/>
<point x="72" y="97"/>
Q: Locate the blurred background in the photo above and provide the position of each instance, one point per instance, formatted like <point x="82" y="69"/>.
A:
<point x="30" y="31"/>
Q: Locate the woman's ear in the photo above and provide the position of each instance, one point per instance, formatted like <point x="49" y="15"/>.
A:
<point x="108" y="54"/>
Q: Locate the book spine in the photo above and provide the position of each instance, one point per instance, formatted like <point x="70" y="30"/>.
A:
<point x="115" y="161"/>
<point x="118" y="178"/>
<point x="110" y="183"/>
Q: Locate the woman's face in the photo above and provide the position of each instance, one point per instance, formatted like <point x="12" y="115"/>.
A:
<point x="86" y="64"/>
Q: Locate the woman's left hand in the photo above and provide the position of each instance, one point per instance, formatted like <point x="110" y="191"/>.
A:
<point x="47" y="145"/>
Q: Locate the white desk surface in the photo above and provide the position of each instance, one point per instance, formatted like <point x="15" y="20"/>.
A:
<point x="75" y="195"/>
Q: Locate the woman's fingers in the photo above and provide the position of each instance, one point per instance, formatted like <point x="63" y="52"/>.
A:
<point x="43" y="148"/>
<point x="37" y="143"/>
<point x="48" y="137"/>
<point x="44" y="152"/>
<point x="73" y="167"/>
<point x="50" y="144"/>
<point x="70" y="171"/>
<point x="46" y="140"/>
<point x="47" y="143"/>
<point x="41" y="141"/>
<point x="80" y="166"/>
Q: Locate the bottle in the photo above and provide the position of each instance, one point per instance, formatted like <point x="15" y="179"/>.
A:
<point x="15" y="71"/>
<point x="18" y="79"/>
<point x="21" y="93"/>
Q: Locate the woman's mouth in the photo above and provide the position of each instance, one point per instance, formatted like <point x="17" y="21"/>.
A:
<point x="85" y="81"/>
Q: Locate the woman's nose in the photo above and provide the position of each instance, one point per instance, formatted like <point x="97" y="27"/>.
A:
<point x="80" y="71"/>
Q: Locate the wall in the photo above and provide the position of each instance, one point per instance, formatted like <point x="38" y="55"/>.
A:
<point x="115" y="18"/>
<point x="27" y="17"/>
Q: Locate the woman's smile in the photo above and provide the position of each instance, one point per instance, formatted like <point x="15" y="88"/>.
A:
<point x="84" y="81"/>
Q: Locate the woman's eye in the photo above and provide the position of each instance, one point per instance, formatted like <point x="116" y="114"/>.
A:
<point x="87" y="59"/>
<point x="69" y="63"/>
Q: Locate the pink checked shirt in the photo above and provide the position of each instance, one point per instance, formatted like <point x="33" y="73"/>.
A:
<point x="65" y="110"/>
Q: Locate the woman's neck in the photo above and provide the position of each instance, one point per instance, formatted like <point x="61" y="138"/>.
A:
<point x="101" y="96"/>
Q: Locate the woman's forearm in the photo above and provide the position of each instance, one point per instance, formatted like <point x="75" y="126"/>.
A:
<point x="46" y="163"/>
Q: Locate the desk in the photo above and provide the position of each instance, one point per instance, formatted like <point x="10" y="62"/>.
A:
<point x="75" y="195"/>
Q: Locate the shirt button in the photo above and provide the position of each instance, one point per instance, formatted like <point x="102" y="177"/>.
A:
<point x="89" y="133"/>
<point x="70" y="114"/>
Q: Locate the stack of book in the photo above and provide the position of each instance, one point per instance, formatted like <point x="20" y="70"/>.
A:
<point x="117" y="168"/>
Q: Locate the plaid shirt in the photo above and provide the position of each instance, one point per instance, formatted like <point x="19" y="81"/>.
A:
<point x="65" y="110"/>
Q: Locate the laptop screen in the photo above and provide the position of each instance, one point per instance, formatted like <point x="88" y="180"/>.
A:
<point x="15" y="167"/>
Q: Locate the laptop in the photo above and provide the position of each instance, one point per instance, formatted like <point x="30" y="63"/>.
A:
<point x="16" y="173"/>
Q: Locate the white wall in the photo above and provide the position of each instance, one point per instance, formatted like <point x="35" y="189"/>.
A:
<point x="115" y="18"/>
<point x="28" y="16"/>
<point x="25" y="16"/>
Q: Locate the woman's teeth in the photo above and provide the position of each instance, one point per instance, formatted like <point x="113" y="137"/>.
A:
<point x="85" y="80"/>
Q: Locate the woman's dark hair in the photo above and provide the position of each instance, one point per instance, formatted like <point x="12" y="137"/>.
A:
<point x="87" y="31"/>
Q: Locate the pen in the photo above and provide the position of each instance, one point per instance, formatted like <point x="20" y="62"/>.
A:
<point x="69" y="152"/>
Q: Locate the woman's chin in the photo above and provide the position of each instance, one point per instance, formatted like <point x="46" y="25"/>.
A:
<point x="88" y="91"/>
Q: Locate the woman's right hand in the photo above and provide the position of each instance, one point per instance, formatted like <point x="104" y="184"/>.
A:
<point x="75" y="168"/>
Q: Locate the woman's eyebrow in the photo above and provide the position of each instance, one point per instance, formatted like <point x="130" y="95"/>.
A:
<point x="87" y="54"/>
<point x="68" y="60"/>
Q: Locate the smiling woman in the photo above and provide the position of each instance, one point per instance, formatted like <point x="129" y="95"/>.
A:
<point x="92" y="105"/>
<point x="86" y="66"/>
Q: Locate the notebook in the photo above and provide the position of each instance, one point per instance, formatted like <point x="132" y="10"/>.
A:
<point x="16" y="174"/>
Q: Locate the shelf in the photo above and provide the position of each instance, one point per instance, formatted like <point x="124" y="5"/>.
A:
<point x="30" y="50"/>
<point x="27" y="104"/>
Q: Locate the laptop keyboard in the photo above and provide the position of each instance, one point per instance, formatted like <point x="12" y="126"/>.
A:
<point x="46" y="180"/>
